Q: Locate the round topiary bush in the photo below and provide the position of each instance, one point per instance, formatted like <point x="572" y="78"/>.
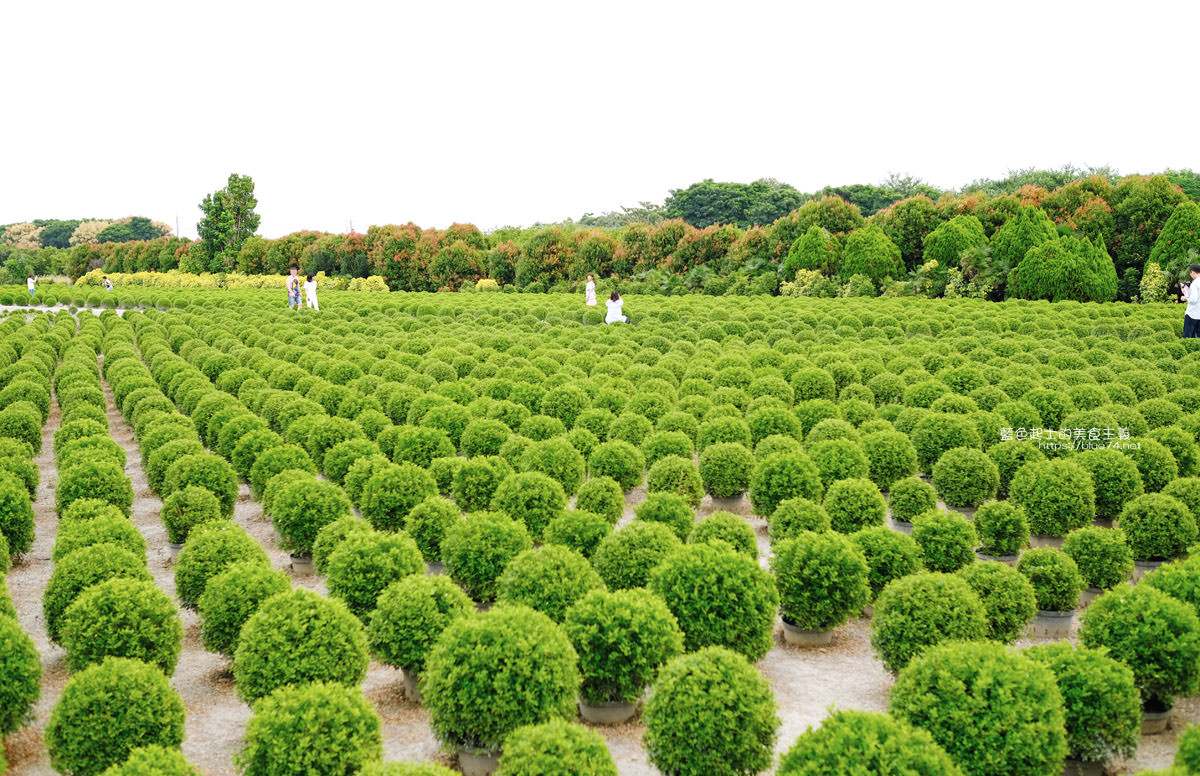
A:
<point x="601" y="496"/>
<point x="938" y="432"/>
<point x="20" y="675"/>
<point x="22" y="421"/>
<point x="950" y="691"/>
<point x="330" y="537"/>
<point x="548" y="579"/>
<point x="410" y="616"/>
<point x="1009" y="601"/>
<point x="625" y="558"/>
<point x="87" y="479"/>
<point x="1002" y="528"/>
<point x="1155" y="462"/>
<point x="1102" y="556"/>
<point x="822" y="579"/>
<point x="670" y="509"/>
<point x="276" y="460"/>
<point x="231" y="597"/>
<point x="186" y="508"/>
<point x="558" y="459"/>
<point x="891" y="457"/>
<point x="160" y="459"/>
<point x="783" y="476"/>
<point x="392" y="492"/>
<point x="108" y="710"/>
<point x="795" y="515"/>
<point x="965" y="477"/>
<point x="82" y="569"/>
<point x="427" y="524"/>
<point x="579" y="530"/>
<point x="315" y="728"/>
<point x="1156" y="635"/>
<point x="1055" y="578"/>
<point x="674" y="474"/>
<point x="476" y="550"/>
<point x="920" y="610"/>
<point x="1157" y="527"/>
<point x="1187" y="755"/>
<point x="121" y="618"/>
<point x="702" y="697"/>
<point x="728" y="528"/>
<point x="910" y="497"/>
<point x="532" y="498"/>
<point x="947" y="540"/>
<point x="342" y="456"/>
<point x="298" y="637"/>
<point x="206" y="471"/>
<point x="107" y="529"/>
<point x="406" y="769"/>
<point x="366" y="562"/>
<point x="302" y="508"/>
<point x="553" y="747"/>
<point x="726" y="469"/>
<point x="618" y="460"/>
<point x="209" y="549"/>
<point x="1056" y="495"/>
<point x="154" y="760"/>
<point x="1101" y="707"/>
<point x="483" y="436"/>
<point x="1115" y="477"/>
<point x="854" y="504"/>
<point x="489" y="674"/>
<point x="851" y="741"/>
<point x="889" y="555"/>
<point x="476" y="480"/>
<point x="720" y="598"/>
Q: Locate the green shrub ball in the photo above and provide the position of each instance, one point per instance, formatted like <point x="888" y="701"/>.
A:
<point x="108" y="710"/>
<point x="82" y="569"/>
<point x="950" y="691"/>
<point x="822" y="579"/>
<point x="670" y="509"/>
<point x="601" y="496"/>
<point x="1057" y="496"/>
<point x="209" y="549"/>
<point x="916" y="612"/>
<point x="1187" y="756"/>
<point x="677" y="475"/>
<point x="20" y="675"/>
<point x="1156" y="635"/>
<point x="1115" y="477"/>
<point x="410" y="616"/>
<point x="186" y="508"/>
<point x="298" y="637"/>
<point x="548" y="579"/>
<point x="427" y="524"/>
<point x="556" y="748"/>
<point x="1101" y="705"/>
<point x="1101" y="554"/>
<point x="1002" y="528"/>
<point x="910" y="497"/>
<point x="947" y="540"/>
<point x="489" y="674"/>
<point x="579" y="530"/>
<point x="783" y="476"/>
<point x="1157" y="527"/>
<point x="367" y="562"/>
<point x="104" y="481"/>
<point x="122" y="618"/>
<point x="533" y="498"/>
<point x="794" y="515"/>
<point x="1055" y="578"/>
<point x="206" y="471"/>
<point x="710" y="713"/>
<point x="854" y="504"/>
<point x="891" y="457"/>
<point x="889" y="555"/>
<point x="231" y="597"/>
<point x="726" y="469"/>
<point x="154" y="760"/>
<point x="476" y="550"/>
<point x="850" y="741"/>
<point x="301" y="509"/>
<point x="625" y="558"/>
<point x="618" y="460"/>
<point x="965" y="477"/>
<point x="107" y="529"/>
<point x="314" y="728"/>
<point x="728" y="528"/>
<point x="330" y="537"/>
<point x="406" y="769"/>
<point x="1008" y="598"/>
<point x="392" y="492"/>
<point x="475" y="481"/>
<point x="721" y="598"/>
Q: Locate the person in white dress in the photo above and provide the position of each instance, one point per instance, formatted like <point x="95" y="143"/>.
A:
<point x="29" y="284"/>
<point x="310" y="292"/>
<point x="614" y="304"/>
<point x="589" y="290"/>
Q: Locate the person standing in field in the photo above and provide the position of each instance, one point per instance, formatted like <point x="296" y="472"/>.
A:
<point x="1191" y="295"/>
<point x="293" y="288"/>
<point x="310" y="292"/>
<point x="589" y="290"/>
<point x="107" y="284"/>
<point x="29" y="284"/>
<point x="614" y="304"/>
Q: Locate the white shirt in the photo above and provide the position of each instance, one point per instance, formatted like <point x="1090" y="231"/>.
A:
<point x="1193" y="300"/>
<point x="310" y="289"/>
<point x="29" y="282"/>
<point x="614" y="311"/>
<point x="590" y="291"/>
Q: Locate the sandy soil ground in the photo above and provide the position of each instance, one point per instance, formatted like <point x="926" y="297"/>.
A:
<point x="807" y="683"/>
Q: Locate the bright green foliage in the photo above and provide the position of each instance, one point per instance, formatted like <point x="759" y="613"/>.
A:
<point x="476" y="480"/>
<point x="1029" y="228"/>
<point x="206" y="471"/>
<point x="210" y="548"/>
<point x="532" y="498"/>
<point x="1178" y="241"/>
<point x="949" y="240"/>
<point x="892" y="457"/>
<point x="782" y="476"/>
<point x="947" y="540"/>
<point x="822" y="579"/>
<point x="813" y="250"/>
<point x="889" y="555"/>
<point x="1102" y="555"/>
<point x="1101" y="707"/>
<point x="950" y="692"/>
<point x="154" y="760"/>
<point x="186" y="508"/>
<point x="866" y="743"/>
<point x="579" y="530"/>
<point x="406" y="769"/>
<point x="965" y="477"/>
<point x="670" y="509"/>
<point x="1055" y="578"/>
<point x="1115" y="477"/>
<point x="601" y="496"/>
<point x="82" y="569"/>
<point x="330" y="537"/>
<point x="1008" y="598"/>
<point x="854" y="504"/>
<point x="104" y="481"/>
<point x="427" y="524"/>
<point x="728" y="528"/>
<point x="392" y="492"/>
<point x="794" y="515"/>
<point x="619" y="460"/>
<point x="717" y="697"/>
<point x="122" y="618"/>
<point x="20" y="674"/>
<point x="910" y="497"/>
<point x="548" y="579"/>
<point x="365" y="563"/>
<point x="556" y="748"/>
<point x="106" y="529"/>
<point x="477" y="549"/>
<point x="721" y="598"/>
<point x="678" y="475"/>
<point x="410" y="616"/>
<point x="869" y="252"/>
<point x="1157" y="527"/>
<point x="920" y="610"/>
<point x="625" y="557"/>
<point x="315" y="728"/>
<point x="1065" y="269"/>
<point x="1057" y="496"/>
<point x="1179" y="579"/>
<point x="1002" y="528"/>
<point x="490" y="674"/>
<point x="107" y="711"/>
<point x="231" y="597"/>
<point x="298" y="637"/>
<point x="725" y="469"/>
<point x="1142" y="204"/>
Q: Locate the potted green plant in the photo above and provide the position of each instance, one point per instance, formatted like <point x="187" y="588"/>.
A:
<point x="1103" y="557"/>
<point x="301" y="509"/>
<point x="1158" y="528"/>
<point x="476" y="550"/>
<point x="572" y="747"/>
<point x="908" y="498"/>
<point x="947" y="540"/>
<point x="854" y="504"/>
<point x="623" y="638"/>
<point x="1056" y="584"/>
<point x="782" y="476"/>
<point x="625" y="558"/>
<point x="728" y="528"/>
<point x="920" y="610"/>
<point x="965" y="477"/>
<point x="365" y="563"/>
<point x="1057" y="497"/>
<point x="889" y="555"/>
<point x="725" y="469"/>
<point x="1008" y="598"/>
<point x="1003" y="531"/>
<point x="548" y="579"/>
<point x="849" y="738"/>
<point x="794" y="515"/>
<point x="823" y="580"/>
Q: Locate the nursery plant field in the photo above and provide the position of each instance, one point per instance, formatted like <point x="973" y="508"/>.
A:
<point x="422" y="534"/>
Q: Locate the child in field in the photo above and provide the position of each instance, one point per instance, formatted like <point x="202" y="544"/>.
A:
<point x="29" y="284"/>
<point x="293" y="288"/>
<point x="310" y="292"/>
<point x="107" y="284"/>
<point x="589" y="291"/>
<point x="614" y="304"/>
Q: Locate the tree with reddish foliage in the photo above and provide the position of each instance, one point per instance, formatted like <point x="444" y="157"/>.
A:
<point x="392" y="253"/>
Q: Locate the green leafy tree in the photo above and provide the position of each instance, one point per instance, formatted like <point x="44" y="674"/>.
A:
<point x="1066" y="268"/>
<point x="868" y="198"/>
<point x="949" y="241"/>
<point x="869" y="252"/>
<point x="1179" y="240"/>
<point x="708" y="202"/>
<point x="57" y="234"/>
<point x="815" y="249"/>
<point x="1142" y="204"/>
<point x="1029" y="228"/>
<point x="906" y="223"/>
<point x="228" y="221"/>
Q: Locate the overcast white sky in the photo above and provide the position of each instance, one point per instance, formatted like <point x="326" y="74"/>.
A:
<point x="515" y="112"/>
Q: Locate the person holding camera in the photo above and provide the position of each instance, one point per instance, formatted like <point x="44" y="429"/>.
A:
<point x="1191" y="295"/>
